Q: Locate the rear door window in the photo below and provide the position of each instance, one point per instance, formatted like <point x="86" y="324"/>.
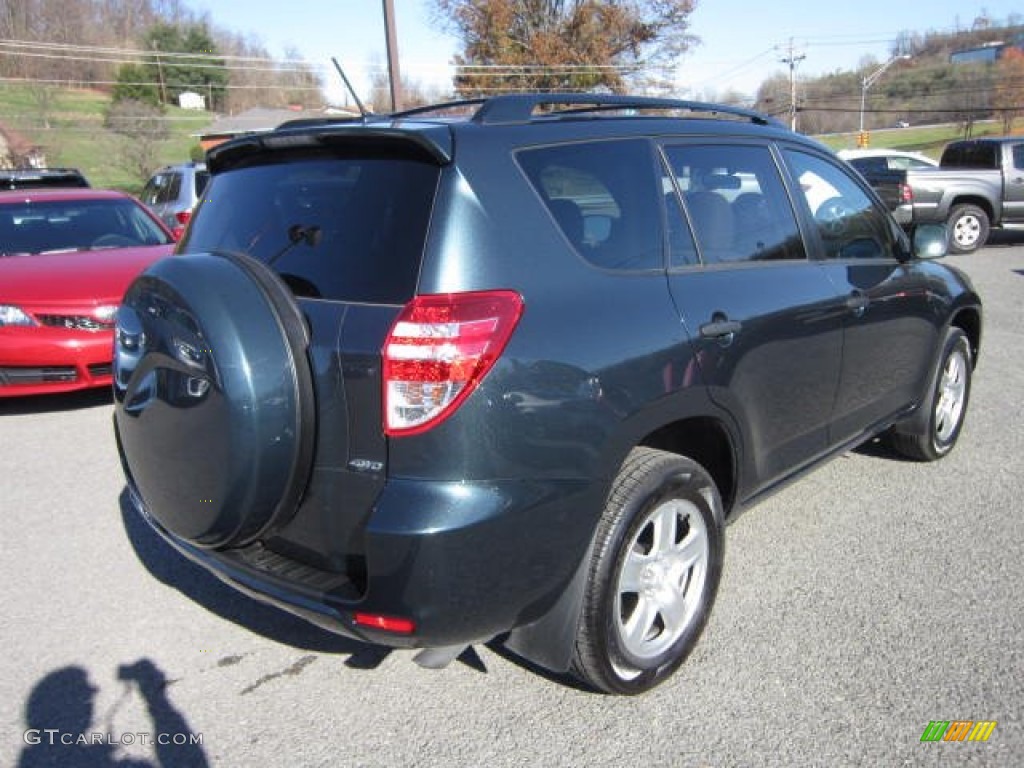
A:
<point x="736" y="204"/>
<point x="347" y="229"/>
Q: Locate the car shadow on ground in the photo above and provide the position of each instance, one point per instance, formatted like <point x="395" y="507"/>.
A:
<point x="68" y="401"/>
<point x="1005" y="237"/>
<point x="177" y="571"/>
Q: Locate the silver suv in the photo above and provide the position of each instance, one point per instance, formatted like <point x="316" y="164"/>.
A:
<point x="173" y="191"/>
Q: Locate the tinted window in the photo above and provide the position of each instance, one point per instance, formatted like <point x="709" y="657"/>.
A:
<point x="604" y="197"/>
<point x="173" y="188"/>
<point x="849" y="224"/>
<point x="200" y="179"/>
<point x="349" y="229"/>
<point x="73" y="225"/>
<point x="980" y="154"/>
<point x="736" y="203"/>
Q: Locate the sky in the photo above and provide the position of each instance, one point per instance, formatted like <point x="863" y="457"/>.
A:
<point x="742" y="41"/>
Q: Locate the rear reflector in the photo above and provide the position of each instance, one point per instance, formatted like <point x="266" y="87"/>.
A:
<point x="438" y="350"/>
<point x="386" y="623"/>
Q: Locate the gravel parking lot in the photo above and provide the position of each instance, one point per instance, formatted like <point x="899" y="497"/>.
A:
<point x="860" y="604"/>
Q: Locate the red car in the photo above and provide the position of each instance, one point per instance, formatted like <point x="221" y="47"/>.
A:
<point x="66" y="258"/>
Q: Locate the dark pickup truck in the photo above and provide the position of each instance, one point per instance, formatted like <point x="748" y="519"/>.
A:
<point x="890" y="184"/>
<point x="978" y="185"/>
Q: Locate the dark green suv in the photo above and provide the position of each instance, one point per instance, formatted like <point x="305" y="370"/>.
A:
<point x="428" y="379"/>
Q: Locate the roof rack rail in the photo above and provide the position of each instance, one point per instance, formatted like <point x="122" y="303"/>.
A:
<point x="442" y="107"/>
<point x="521" y="107"/>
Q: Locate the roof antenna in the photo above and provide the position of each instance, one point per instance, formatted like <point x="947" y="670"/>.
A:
<point x="351" y="90"/>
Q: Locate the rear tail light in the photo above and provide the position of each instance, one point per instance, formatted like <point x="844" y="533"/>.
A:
<point x="183" y="217"/>
<point x="437" y="352"/>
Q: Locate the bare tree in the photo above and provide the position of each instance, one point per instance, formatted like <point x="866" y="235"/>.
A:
<point x="141" y="128"/>
<point x="1008" y="95"/>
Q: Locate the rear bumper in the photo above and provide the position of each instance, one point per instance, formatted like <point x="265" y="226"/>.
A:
<point x="37" y="361"/>
<point x="462" y="562"/>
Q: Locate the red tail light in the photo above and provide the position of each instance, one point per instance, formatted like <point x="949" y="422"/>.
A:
<point x="183" y="217"/>
<point x="437" y="352"/>
<point x="394" y="624"/>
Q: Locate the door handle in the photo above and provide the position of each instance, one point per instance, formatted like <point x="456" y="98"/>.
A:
<point x="720" y="329"/>
<point x="857" y="302"/>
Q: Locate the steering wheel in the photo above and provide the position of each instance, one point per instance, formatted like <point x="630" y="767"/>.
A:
<point x="833" y="215"/>
<point x="114" y="241"/>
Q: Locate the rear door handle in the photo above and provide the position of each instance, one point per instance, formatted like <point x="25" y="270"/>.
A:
<point x="720" y="329"/>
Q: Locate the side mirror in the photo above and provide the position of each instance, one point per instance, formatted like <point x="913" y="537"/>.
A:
<point x="930" y="241"/>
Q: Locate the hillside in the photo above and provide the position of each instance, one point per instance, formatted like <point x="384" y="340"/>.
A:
<point x="70" y="130"/>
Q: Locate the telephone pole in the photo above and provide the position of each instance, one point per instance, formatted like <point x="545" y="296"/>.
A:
<point x="792" y="60"/>
<point x="394" y="76"/>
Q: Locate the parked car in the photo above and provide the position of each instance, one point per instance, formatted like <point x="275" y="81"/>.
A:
<point x="426" y="381"/>
<point x="173" y="191"/>
<point x="894" y="159"/>
<point x="978" y="185"/>
<point x="66" y="257"/>
<point x="37" y="178"/>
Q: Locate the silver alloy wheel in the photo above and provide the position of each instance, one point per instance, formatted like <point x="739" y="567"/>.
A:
<point x="966" y="231"/>
<point x="662" y="578"/>
<point x="949" y="405"/>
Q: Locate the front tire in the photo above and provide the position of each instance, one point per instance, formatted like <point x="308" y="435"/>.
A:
<point x="653" y="575"/>
<point x="946" y="406"/>
<point x="968" y="227"/>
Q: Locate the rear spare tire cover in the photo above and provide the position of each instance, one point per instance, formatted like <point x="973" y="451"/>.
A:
<point x="214" y="403"/>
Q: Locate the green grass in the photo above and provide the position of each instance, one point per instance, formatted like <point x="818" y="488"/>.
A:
<point x="927" y="139"/>
<point x="72" y="133"/>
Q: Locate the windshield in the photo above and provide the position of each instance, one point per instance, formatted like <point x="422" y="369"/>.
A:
<point x="76" y="225"/>
<point x="349" y="229"/>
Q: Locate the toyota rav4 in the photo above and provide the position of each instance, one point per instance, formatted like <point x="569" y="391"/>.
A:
<point x="430" y="378"/>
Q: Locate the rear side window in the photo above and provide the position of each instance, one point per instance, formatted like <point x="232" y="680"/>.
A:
<point x="604" y="198"/>
<point x="736" y="203"/>
<point x="980" y="154"/>
<point x="345" y="229"/>
<point x="200" y="179"/>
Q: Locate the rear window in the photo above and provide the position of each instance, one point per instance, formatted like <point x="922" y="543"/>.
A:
<point x="971" y="155"/>
<point x="344" y="229"/>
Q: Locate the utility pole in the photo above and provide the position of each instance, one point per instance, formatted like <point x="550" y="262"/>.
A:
<point x="394" y="76"/>
<point x="792" y="60"/>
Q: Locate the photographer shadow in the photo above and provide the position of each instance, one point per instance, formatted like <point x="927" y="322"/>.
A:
<point x="60" y="730"/>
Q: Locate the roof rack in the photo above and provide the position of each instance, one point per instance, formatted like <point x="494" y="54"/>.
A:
<point x="521" y="107"/>
<point x="442" y="107"/>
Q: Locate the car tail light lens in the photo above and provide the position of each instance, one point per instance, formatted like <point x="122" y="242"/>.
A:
<point x="183" y="217"/>
<point x="438" y="350"/>
<point x="394" y="624"/>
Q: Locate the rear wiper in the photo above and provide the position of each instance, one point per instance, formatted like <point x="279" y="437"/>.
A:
<point x="311" y="236"/>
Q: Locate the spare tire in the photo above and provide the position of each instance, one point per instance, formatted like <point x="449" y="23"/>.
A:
<point x="214" y="398"/>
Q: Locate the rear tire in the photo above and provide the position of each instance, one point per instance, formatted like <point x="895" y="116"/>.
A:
<point x="968" y="228"/>
<point x="653" y="575"/>
<point x="946" y="405"/>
